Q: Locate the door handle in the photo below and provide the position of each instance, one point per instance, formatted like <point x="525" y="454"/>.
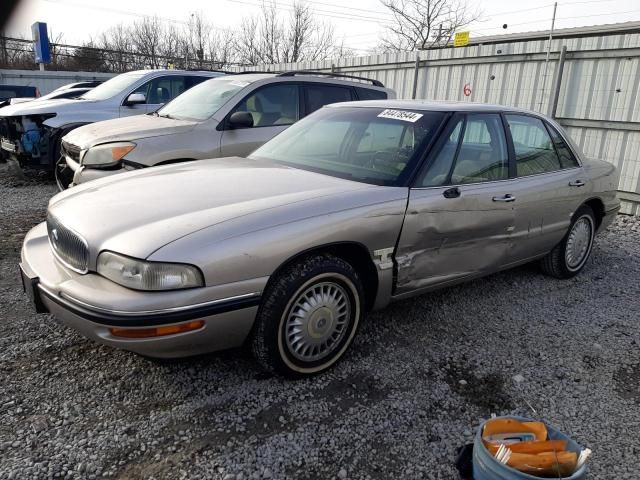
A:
<point x="576" y="183"/>
<point x="451" y="193"/>
<point x="507" y="197"/>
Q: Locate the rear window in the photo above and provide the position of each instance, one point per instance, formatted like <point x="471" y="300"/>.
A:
<point x="370" y="94"/>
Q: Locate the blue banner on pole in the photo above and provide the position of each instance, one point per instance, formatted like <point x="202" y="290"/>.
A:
<point x="40" y="42"/>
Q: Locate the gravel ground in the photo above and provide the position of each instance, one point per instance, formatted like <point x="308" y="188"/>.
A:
<point x="420" y="377"/>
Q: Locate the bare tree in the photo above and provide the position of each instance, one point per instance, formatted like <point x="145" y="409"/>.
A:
<point x="57" y="58"/>
<point x="146" y="36"/>
<point x="199" y="32"/>
<point x="207" y="47"/>
<point x="274" y="38"/>
<point x="116" y="42"/>
<point x="221" y="48"/>
<point x="420" y="24"/>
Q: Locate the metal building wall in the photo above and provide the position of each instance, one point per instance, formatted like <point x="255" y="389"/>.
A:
<point x="47" y="81"/>
<point x="599" y="99"/>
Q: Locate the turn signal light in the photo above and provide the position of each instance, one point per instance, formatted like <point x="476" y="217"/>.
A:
<point x="157" y="331"/>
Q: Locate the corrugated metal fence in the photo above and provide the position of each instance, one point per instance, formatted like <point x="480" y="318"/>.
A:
<point x="48" y="81"/>
<point x="598" y="96"/>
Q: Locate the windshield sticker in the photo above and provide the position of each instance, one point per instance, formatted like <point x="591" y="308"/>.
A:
<point x="401" y="115"/>
<point x="239" y="84"/>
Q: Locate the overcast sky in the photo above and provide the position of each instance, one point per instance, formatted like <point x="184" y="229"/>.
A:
<point x="359" y="22"/>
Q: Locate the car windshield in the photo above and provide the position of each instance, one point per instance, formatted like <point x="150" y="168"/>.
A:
<point x="112" y="86"/>
<point x="370" y="145"/>
<point x="202" y="101"/>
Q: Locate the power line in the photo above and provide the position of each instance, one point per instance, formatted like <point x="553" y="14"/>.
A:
<point x="322" y="13"/>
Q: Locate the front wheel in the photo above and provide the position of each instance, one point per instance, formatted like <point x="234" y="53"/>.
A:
<point x="308" y="317"/>
<point x="569" y="257"/>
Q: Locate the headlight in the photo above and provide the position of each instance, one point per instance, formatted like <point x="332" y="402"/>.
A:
<point x="141" y="275"/>
<point x="107" y="154"/>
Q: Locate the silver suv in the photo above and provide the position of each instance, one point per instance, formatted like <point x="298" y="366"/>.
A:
<point x="226" y="116"/>
<point x="30" y="132"/>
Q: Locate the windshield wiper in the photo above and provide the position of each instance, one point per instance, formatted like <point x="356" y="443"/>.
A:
<point x="166" y="115"/>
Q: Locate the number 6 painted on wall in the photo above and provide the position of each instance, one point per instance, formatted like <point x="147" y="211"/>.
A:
<point x="467" y="89"/>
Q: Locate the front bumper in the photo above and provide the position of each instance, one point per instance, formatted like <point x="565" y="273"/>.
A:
<point x="228" y="313"/>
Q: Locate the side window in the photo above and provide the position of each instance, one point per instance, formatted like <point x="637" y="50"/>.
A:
<point x="481" y="153"/>
<point x="321" y="95"/>
<point x="162" y="89"/>
<point x="567" y="158"/>
<point x="272" y="105"/>
<point x="438" y="172"/>
<point x="534" y="150"/>
<point x="370" y="94"/>
<point x="482" y="156"/>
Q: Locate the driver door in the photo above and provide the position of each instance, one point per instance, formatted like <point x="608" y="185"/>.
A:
<point x="460" y="212"/>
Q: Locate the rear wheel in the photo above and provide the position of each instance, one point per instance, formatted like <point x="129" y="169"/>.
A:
<point x="309" y="316"/>
<point x="569" y="257"/>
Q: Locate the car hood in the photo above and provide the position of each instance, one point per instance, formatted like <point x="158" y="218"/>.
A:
<point x="57" y="105"/>
<point x="126" y="129"/>
<point x="139" y="212"/>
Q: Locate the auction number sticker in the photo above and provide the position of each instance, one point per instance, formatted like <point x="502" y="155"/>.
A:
<point x="400" y="115"/>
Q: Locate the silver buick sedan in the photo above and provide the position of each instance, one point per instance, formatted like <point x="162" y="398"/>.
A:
<point x="356" y="206"/>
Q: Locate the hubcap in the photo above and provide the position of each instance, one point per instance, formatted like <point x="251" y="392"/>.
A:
<point x="578" y="242"/>
<point x="317" y="321"/>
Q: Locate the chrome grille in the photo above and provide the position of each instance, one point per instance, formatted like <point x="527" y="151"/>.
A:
<point x="72" y="151"/>
<point x="70" y="248"/>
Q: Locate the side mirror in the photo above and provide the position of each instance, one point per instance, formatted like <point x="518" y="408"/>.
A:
<point x="135" y="99"/>
<point x="241" y="120"/>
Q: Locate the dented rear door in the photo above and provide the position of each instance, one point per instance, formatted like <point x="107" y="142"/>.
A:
<point x="450" y="233"/>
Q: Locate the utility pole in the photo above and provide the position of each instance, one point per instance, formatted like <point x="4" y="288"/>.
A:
<point x="546" y="63"/>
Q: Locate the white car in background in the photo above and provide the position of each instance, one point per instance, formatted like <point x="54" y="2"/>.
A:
<point x="30" y="132"/>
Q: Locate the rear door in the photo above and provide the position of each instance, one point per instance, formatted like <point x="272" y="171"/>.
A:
<point x="273" y="108"/>
<point x="460" y="213"/>
<point x="547" y="189"/>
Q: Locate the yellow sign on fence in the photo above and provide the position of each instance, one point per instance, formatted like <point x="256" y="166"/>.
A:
<point x="461" y="39"/>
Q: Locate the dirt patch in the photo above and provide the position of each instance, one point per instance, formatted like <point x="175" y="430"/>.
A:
<point x="485" y="391"/>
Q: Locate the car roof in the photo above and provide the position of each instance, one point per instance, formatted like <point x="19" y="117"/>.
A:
<point x="433" y="105"/>
<point x="300" y="76"/>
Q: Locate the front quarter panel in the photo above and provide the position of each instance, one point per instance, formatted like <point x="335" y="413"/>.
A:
<point x="256" y="245"/>
<point x="196" y="144"/>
